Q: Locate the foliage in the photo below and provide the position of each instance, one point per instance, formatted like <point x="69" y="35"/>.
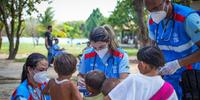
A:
<point x="183" y="2"/>
<point x="123" y="17"/>
<point x="95" y="19"/>
<point x="30" y="29"/>
<point x="47" y="18"/>
<point x="11" y="15"/>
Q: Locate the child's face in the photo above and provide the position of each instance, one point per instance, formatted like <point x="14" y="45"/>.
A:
<point x="143" y="67"/>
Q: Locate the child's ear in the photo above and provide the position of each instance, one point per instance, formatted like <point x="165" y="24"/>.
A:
<point x="145" y="65"/>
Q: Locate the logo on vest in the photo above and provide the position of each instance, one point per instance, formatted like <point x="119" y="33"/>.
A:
<point x="175" y="37"/>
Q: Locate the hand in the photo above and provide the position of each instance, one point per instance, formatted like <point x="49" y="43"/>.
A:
<point x="169" y="68"/>
<point x="81" y="82"/>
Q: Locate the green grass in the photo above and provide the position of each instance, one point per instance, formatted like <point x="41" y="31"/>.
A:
<point x="131" y="51"/>
<point x="28" y="48"/>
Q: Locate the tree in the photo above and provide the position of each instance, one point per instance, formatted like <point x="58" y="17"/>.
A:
<point x="1" y="28"/>
<point x="47" y="18"/>
<point x="11" y="15"/>
<point x="95" y="19"/>
<point x="124" y="19"/>
<point x="139" y="8"/>
<point x="31" y="31"/>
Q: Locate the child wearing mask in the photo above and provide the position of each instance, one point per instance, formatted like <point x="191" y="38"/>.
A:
<point x="94" y="81"/>
<point x="146" y="85"/>
<point x="62" y="88"/>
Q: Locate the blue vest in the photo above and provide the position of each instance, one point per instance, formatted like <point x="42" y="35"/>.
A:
<point x="172" y="38"/>
<point x="23" y="91"/>
<point x="109" y="65"/>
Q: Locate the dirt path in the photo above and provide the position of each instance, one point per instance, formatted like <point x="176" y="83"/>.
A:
<point x="10" y="73"/>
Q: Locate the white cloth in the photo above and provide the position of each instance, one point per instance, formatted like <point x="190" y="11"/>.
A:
<point x="138" y="87"/>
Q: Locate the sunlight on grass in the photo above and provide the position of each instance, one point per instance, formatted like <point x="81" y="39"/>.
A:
<point x="27" y="48"/>
<point x="131" y="51"/>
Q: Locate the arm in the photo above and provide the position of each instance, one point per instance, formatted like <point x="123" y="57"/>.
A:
<point x="193" y="58"/>
<point x="46" y="42"/>
<point x="75" y="93"/>
<point x="192" y="25"/>
<point x="124" y="67"/>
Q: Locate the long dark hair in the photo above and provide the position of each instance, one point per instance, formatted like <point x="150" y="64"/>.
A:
<point x="31" y="61"/>
<point x="105" y="34"/>
<point x="152" y="56"/>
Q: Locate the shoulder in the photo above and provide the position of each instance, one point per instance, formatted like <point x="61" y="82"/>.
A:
<point x="119" y="52"/>
<point x="89" y="53"/>
<point x="193" y="17"/>
<point x="46" y="33"/>
<point x="181" y="12"/>
<point x="22" y="90"/>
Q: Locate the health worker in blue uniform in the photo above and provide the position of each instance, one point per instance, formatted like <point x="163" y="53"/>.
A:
<point x="104" y="55"/>
<point x="33" y="79"/>
<point x="175" y="29"/>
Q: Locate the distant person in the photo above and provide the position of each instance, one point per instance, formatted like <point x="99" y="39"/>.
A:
<point x="146" y="85"/>
<point x="48" y="43"/>
<point x="33" y="79"/>
<point x="87" y="47"/>
<point x="62" y="88"/>
<point x="94" y="81"/>
<point x="56" y="48"/>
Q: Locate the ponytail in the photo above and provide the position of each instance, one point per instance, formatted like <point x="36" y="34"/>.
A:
<point x="24" y="73"/>
<point x="113" y="44"/>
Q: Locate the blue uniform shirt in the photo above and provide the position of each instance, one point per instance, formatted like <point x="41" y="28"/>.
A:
<point x="178" y="40"/>
<point x="193" y="27"/>
<point x="111" y="65"/>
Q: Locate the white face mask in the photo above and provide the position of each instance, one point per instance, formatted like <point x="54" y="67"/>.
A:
<point x="41" y="77"/>
<point x="102" y="52"/>
<point x="158" y="16"/>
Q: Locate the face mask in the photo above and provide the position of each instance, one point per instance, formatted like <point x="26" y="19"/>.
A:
<point x="102" y="52"/>
<point x="41" y="77"/>
<point x="158" y="16"/>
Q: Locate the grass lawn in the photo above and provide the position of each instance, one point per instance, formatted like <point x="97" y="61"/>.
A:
<point x="28" y="48"/>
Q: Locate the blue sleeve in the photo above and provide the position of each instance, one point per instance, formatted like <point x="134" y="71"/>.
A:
<point x="81" y="66"/>
<point x="124" y="64"/>
<point x="22" y="91"/>
<point x="192" y="25"/>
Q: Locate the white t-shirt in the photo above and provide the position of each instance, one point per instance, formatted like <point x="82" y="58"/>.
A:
<point x="138" y="87"/>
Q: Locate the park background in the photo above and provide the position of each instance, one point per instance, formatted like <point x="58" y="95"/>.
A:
<point x="23" y="24"/>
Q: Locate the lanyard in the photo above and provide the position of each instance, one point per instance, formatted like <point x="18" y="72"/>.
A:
<point x="94" y="63"/>
<point x="35" y="93"/>
<point x="164" y="27"/>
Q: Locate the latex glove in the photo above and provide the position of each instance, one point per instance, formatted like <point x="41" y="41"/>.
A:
<point x="169" y="68"/>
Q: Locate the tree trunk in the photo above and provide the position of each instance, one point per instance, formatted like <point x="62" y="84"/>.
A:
<point x="1" y="28"/>
<point x="139" y="8"/>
